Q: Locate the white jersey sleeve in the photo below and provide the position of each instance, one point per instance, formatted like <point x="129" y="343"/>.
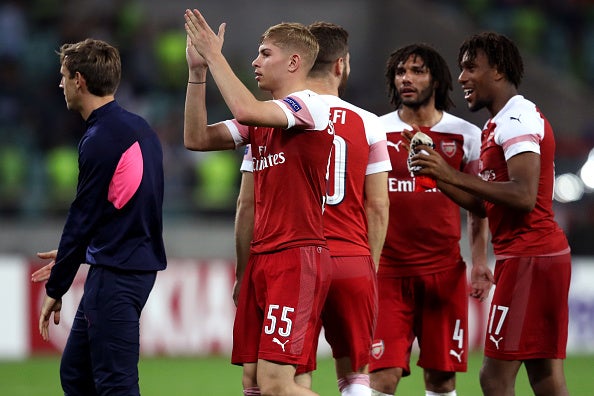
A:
<point x="305" y="110"/>
<point x="520" y="127"/>
<point x="240" y="133"/>
<point x="247" y="165"/>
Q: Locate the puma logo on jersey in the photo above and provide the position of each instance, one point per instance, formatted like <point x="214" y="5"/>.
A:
<point x="496" y="342"/>
<point x="282" y="344"/>
<point x="516" y="118"/>
<point x="395" y="145"/>
<point x="457" y="355"/>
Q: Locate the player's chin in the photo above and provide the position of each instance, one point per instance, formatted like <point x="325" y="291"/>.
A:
<point x="262" y="86"/>
<point x="474" y="105"/>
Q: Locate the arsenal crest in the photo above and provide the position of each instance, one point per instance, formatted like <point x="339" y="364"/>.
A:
<point x="448" y="148"/>
<point x="377" y="349"/>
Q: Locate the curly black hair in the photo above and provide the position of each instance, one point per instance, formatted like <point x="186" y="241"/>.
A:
<point x="501" y="53"/>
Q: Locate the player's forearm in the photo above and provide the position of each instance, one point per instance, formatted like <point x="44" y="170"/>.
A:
<point x="377" y="210"/>
<point x="514" y="193"/>
<point x="244" y="223"/>
<point x="240" y="101"/>
<point x="463" y="198"/>
<point x="244" y="231"/>
<point x="377" y="223"/>
<point x="195" y="115"/>
<point x="478" y="235"/>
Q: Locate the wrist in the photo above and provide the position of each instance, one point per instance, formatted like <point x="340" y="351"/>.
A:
<point x="198" y="74"/>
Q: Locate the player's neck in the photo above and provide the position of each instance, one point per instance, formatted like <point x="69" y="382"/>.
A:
<point x="501" y="98"/>
<point x="322" y="86"/>
<point x="288" y="87"/>
<point x="92" y="103"/>
<point x="421" y="116"/>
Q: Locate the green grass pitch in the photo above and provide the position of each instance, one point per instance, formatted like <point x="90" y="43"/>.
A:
<point x="214" y="376"/>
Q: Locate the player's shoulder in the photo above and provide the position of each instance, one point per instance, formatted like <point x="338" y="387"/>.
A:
<point x="519" y="116"/>
<point x="452" y="123"/>
<point x="305" y="97"/>
<point x="98" y="144"/>
<point x="515" y="109"/>
<point x="391" y="122"/>
<point x="335" y="101"/>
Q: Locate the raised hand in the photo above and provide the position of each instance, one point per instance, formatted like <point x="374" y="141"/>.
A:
<point x="194" y="59"/>
<point x="201" y="36"/>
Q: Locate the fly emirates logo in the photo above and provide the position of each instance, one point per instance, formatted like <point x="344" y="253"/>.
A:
<point x="407" y="185"/>
<point x="265" y="160"/>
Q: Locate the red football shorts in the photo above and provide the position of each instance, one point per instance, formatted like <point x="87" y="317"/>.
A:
<point x="350" y="311"/>
<point x="432" y="308"/>
<point x="279" y="305"/>
<point x="529" y="312"/>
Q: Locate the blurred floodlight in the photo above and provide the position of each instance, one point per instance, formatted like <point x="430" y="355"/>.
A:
<point x="587" y="171"/>
<point x="568" y="188"/>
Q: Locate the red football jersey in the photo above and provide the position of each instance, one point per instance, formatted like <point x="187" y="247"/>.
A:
<point x="289" y="168"/>
<point x="520" y="127"/>
<point x="424" y="227"/>
<point x="359" y="149"/>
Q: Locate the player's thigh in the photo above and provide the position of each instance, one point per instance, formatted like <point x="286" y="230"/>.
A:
<point x="113" y="314"/>
<point x="394" y="333"/>
<point x="290" y="319"/>
<point x="349" y="314"/>
<point x="443" y="322"/>
<point x="529" y="315"/>
<point x="76" y="373"/>
<point x="247" y="325"/>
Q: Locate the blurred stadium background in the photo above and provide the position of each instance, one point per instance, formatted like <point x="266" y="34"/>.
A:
<point x="38" y="136"/>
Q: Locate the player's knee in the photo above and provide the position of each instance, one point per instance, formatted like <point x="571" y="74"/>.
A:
<point x="490" y="384"/>
<point x="440" y="381"/>
<point x="385" y="380"/>
<point x="274" y="384"/>
<point x="546" y="375"/>
<point x="76" y="382"/>
<point x="249" y="379"/>
<point x="273" y="388"/>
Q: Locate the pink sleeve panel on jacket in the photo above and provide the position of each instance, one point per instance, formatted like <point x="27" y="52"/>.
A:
<point x="127" y="177"/>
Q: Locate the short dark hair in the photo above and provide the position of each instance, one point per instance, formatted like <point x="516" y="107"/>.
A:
<point x="501" y="53"/>
<point x="438" y="69"/>
<point x="333" y="41"/>
<point x="97" y="61"/>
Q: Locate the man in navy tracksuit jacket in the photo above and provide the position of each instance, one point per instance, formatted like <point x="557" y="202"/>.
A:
<point x="114" y="224"/>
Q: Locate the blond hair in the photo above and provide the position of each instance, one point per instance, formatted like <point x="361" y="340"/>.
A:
<point x="293" y="36"/>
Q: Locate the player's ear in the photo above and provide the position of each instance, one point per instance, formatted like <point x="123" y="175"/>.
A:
<point x="294" y="62"/>
<point x="79" y="79"/>
<point x="339" y="67"/>
<point x="497" y="75"/>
